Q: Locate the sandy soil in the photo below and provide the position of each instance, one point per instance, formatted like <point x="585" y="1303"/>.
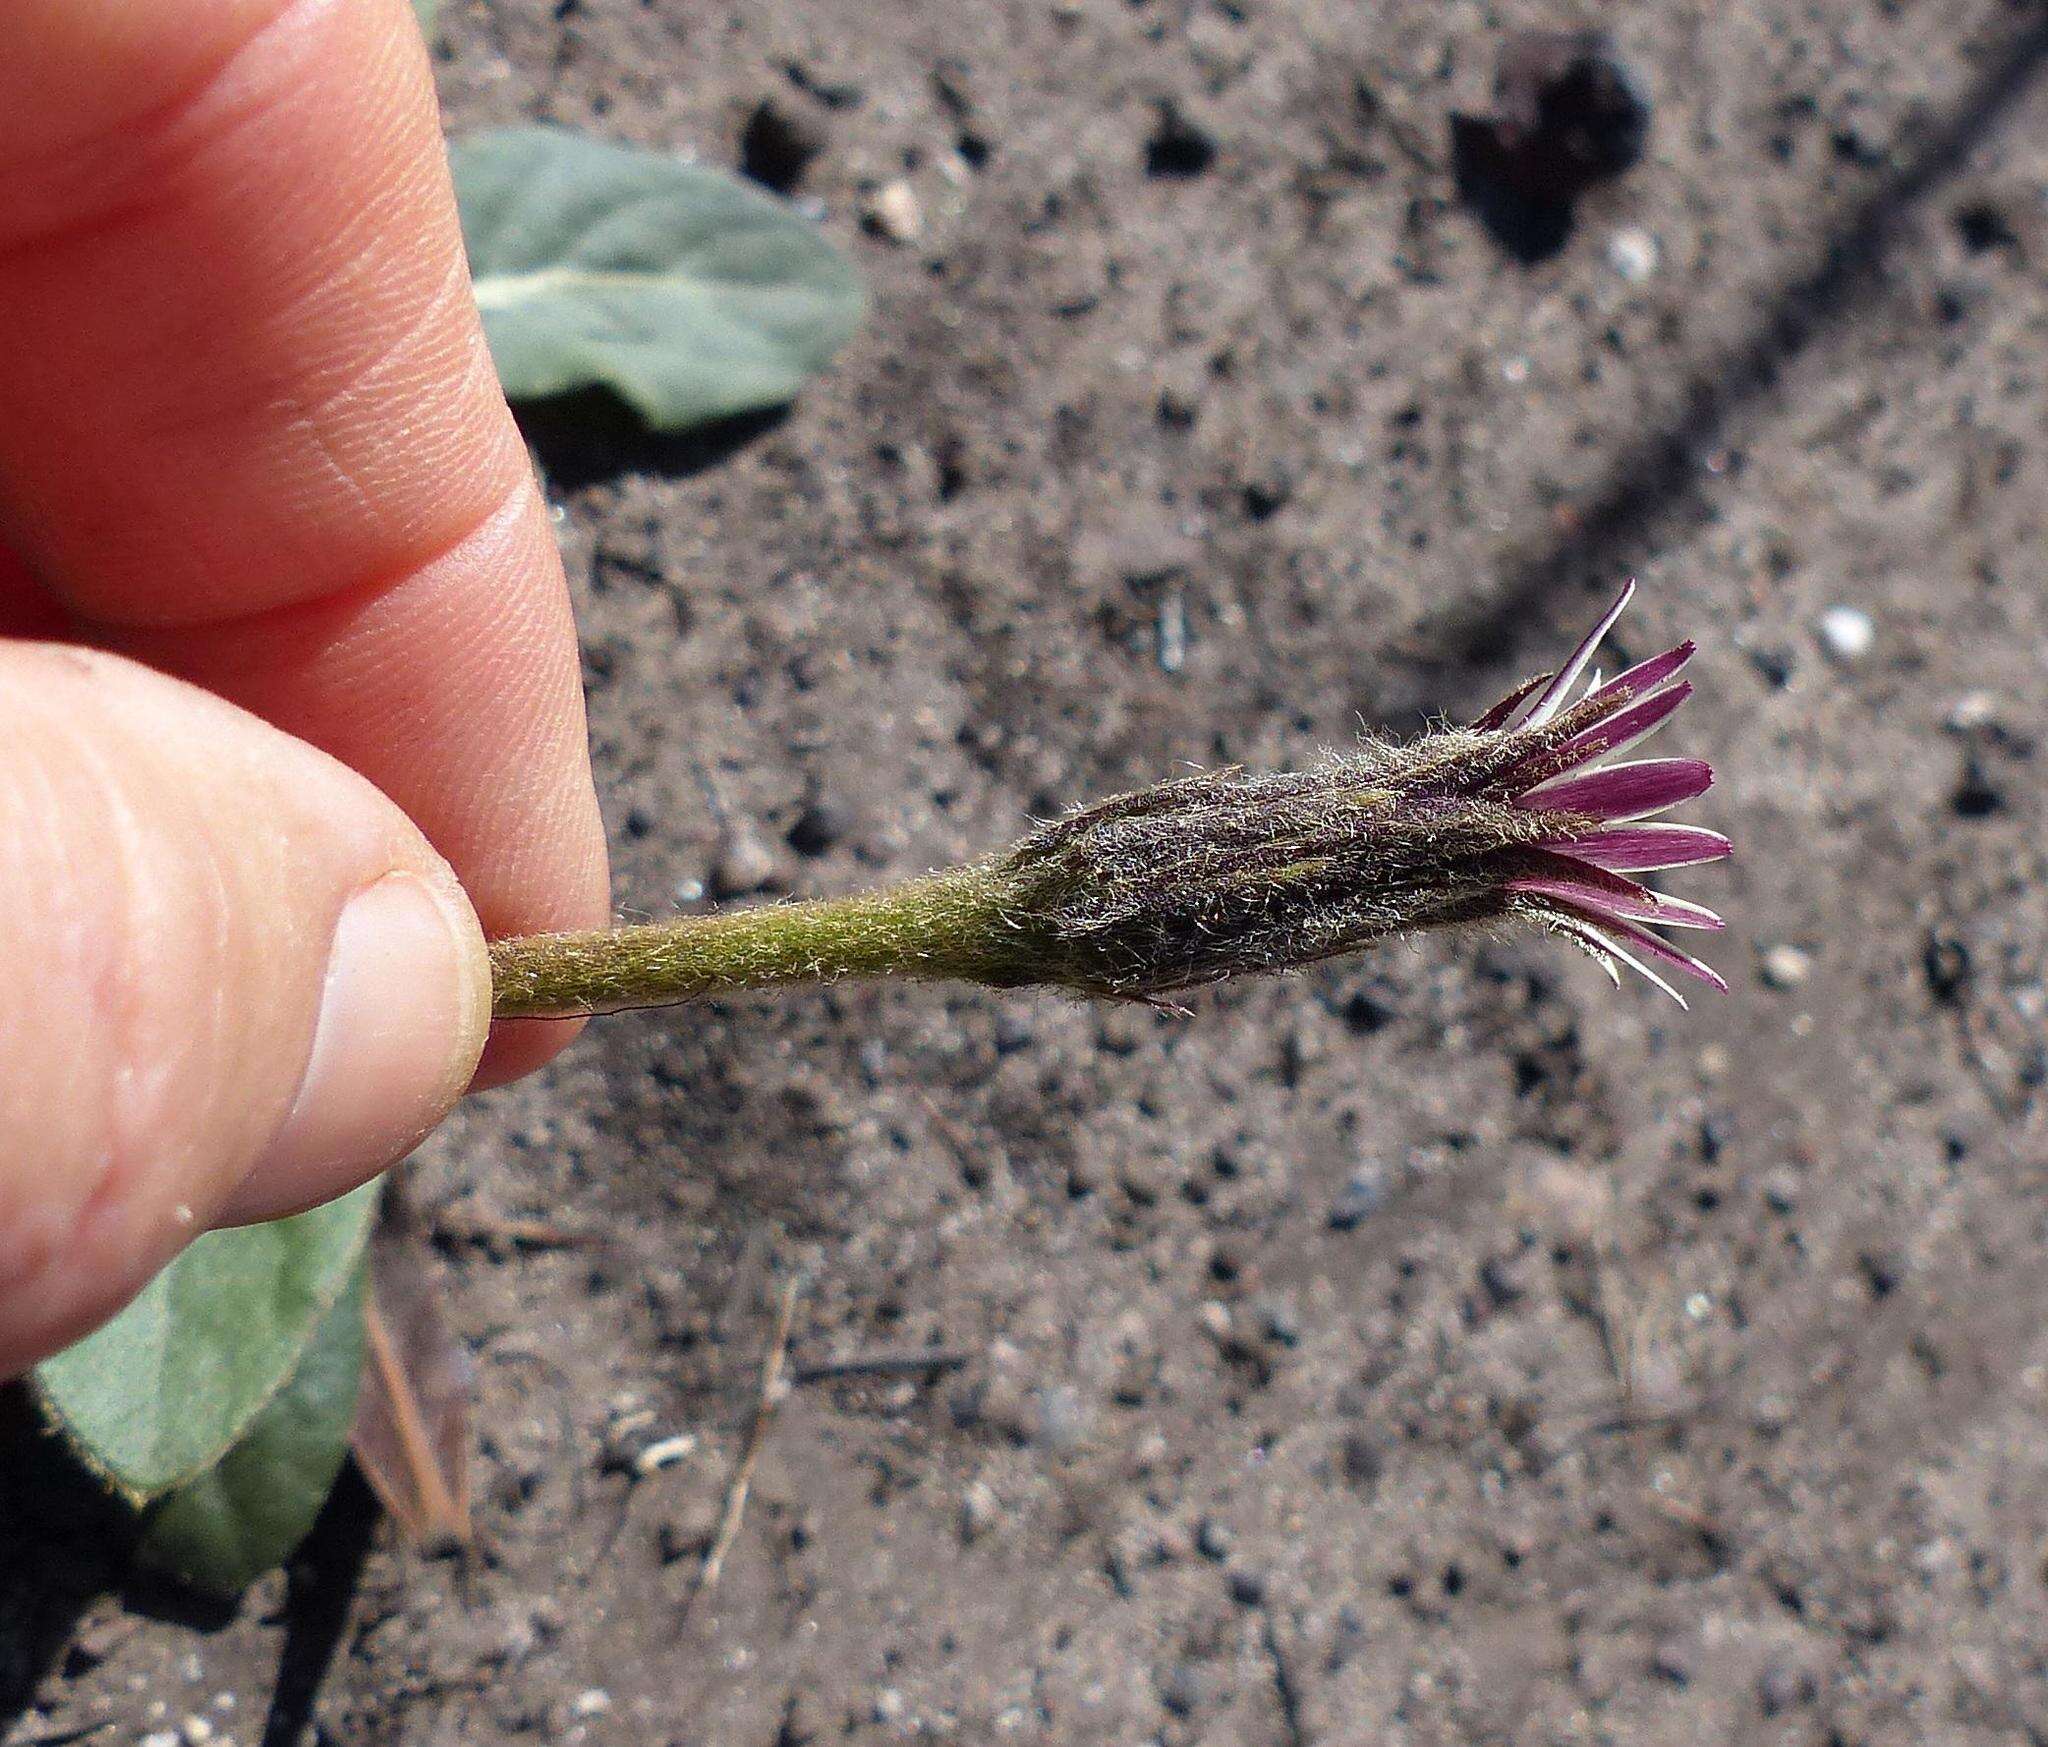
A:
<point x="1443" y="1348"/>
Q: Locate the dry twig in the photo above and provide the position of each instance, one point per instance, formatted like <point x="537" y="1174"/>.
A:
<point x="773" y="1389"/>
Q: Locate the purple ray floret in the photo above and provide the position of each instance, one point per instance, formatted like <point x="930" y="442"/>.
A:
<point x="1648" y="848"/>
<point x="1624" y="791"/>
<point x="1553" y="764"/>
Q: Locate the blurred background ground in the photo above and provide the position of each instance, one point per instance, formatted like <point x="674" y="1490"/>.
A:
<point x="1443" y="1348"/>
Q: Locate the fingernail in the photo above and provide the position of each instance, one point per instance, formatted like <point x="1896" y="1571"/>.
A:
<point x="396" y="1041"/>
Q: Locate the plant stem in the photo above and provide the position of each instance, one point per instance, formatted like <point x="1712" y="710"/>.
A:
<point x="949" y="926"/>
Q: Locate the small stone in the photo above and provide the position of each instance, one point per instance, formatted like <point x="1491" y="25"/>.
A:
<point x="1972" y="711"/>
<point x="1213" y="1540"/>
<point x="1633" y="255"/>
<point x="1363" y="1195"/>
<point x="1673" y="1661"/>
<point x="978" y="1510"/>
<point x="1061" y="1422"/>
<point x="687" y="1531"/>
<point x="893" y="213"/>
<point x="1247" y="1588"/>
<point x="1781" y="1189"/>
<point x="592" y="1702"/>
<point x="1786" y="967"/>
<point x="889" y="1705"/>
<point x="1780" y="1689"/>
<point x="664" y="1453"/>
<point x="1173" y="632"/>
<point x="818" y="827"/>
<point x="1278" y="1320"/>
<point x="744" y="865"/>
<point x="195" y="1731"/>
<point x="1183" y="1689"/>
<point x="1847" y="633"/>
<point x="162" y="1738"/>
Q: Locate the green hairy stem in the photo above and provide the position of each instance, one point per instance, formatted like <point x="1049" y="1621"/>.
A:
<point x="944" y="928"/>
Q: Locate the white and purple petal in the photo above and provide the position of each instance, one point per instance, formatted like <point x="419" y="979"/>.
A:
<point x="1657" y="908"/>
<point x="1646" y="848"/>
<point x="1646" y="676"/>
<point x="1553" y="695"/>
<point x="1621" y="792"/>
<point x="1618" y="935"/>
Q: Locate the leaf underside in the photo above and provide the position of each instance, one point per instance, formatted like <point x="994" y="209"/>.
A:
<point x="687" y="292"/>
<point x="157" y="1396"/>
<point x="251" y="1509"/>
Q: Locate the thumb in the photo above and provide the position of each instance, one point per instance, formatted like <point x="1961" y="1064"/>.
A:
<point x="234" y="981"/>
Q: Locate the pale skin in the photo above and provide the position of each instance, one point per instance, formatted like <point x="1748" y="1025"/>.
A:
<point x="283" y="626"/>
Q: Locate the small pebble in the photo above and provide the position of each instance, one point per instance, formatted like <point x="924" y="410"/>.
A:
<point x="893" y="212"/>
<point x="1786" y="967"/>
<point x="1247" y="1588"/>
<point x="744" y="865"/>
<point x="1633" y="255"/>
<point x="1673" y="1661"/>
<point x="978" y="1509"/>
<point x="1213" y="1540"/>
<point x="1780" y="1689"/>
<point x="664" y="1453"/>
<point x="162" y="1738"/>
<point x="1173" y="633"/>
<point x="1973" y="710"/>
<point x="1362" y="1196"/>
<point x="1781" y="1190"/>
<point x="1181" y="1692"/>
<point x="1278" y="1321"/>
<point x="1062" y="1418"/>
<point x="196" y="1731"/>
<point x="592" y="1702"/>
<point x="1847" y="633"/>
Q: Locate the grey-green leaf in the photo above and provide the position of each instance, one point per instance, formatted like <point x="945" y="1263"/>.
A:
<point x="160" y="1394"/>
<point x="249" y="1511"/>
<point x="690" y="294"/>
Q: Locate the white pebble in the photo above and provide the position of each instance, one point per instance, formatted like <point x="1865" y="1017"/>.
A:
<point x="593" y="1702"/>
<point x="894" y="212"/>
<point x="162" y="1738"/>
<point x="1973" y="710"/>
<point x="978" y="1508"/>
<point x="1847" y="633"/>
<point x="665" y="1453"/>
<point x="1786" y="967"/>
<point x="197" y="1731"/>
<point x="1633" y="254"/>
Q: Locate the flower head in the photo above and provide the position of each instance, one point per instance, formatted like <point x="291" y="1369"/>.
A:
<point x="1519" y="816"/>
